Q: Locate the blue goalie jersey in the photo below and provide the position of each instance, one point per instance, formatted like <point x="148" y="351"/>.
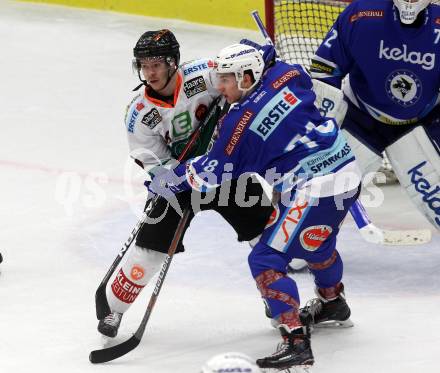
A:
<point x="276" y="132"/>
<point x="393" y="69"/>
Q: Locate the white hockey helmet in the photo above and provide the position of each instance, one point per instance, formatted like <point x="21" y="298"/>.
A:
<point x="230" y="362"/>
<point x="410" y="9"/>
<point x="237" y="59"/>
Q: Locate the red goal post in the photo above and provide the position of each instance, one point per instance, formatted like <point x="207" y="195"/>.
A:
<point x="297" y="27"/>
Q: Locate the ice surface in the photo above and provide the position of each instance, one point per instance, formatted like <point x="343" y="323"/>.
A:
<point x="65" y="80"/>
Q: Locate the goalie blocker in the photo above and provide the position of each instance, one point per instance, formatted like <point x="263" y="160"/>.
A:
<point x="330" y="102"/>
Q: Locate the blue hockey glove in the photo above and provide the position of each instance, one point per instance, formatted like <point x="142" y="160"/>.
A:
<point x="165" y="184"/>
<point x="267" y="51"/>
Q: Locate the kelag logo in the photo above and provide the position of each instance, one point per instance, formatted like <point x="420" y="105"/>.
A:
<point x="423" y="187"/>
<point x="274" y="112"/>
<point x="427" y="60"/>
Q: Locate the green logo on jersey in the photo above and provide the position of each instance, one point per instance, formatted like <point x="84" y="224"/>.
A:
<point x="181" y="125"/>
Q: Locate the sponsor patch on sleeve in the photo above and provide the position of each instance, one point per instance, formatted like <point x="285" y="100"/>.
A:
<point x="152" y="118"/>
<point x="321" y="67"/>
<point x="366" y="14"/>
<point x="238" y="131"/>
<point x="194" y="86"/>
<point x="285" y="78"/>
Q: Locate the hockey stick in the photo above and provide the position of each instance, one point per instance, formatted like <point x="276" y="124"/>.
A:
<point x="101" y="303"/>
<point x="111" y="353"/>
<point x="368" y="230"/>
<point x="373" y="234"/>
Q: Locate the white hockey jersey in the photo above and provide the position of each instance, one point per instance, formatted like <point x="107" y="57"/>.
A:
<point x="154" y="127"/>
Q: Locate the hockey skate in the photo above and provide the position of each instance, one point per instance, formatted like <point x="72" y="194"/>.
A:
<point x="327" y="311"/>
<point x="293" y="354"/>
<point x="109" y="325"/>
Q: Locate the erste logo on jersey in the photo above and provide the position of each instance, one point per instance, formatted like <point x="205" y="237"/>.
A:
<point x="194" y="86"/>
<point x="152" y="118"/>
<point x="197" y="66"/>
<point x="427" y="60"/>
<point x="403" y="87"/>
<point x="134" y="114"/>
<point x="271" y="115"/>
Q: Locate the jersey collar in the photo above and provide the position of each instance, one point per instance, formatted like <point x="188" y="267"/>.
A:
<point x="164" y="104"/>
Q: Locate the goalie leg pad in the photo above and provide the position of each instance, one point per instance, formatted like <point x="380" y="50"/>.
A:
<point x="141" y="265"/>
<point x="415" y="158"/>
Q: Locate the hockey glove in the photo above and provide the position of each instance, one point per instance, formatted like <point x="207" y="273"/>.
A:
<point x="267" y="51"/>
<point x="165" y="184"/>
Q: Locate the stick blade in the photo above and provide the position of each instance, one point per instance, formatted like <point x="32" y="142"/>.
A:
<point x="111" y="353"/>
<point x="373" y="234"/>
<point x="102" y="307"/>
<point x="408" y="237"/>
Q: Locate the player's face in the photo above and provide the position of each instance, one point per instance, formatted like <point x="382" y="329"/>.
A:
<point x="228" y="87"/>
<point x="155" y="72"/>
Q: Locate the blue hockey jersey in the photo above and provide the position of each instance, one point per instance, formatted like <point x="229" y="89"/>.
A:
<point x="276" y="132"/>
<point x="394" y="70"/>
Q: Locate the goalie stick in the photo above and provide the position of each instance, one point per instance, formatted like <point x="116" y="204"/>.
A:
<point x="101" y="303"/>
<point x="373" y="234"/>
<point x="368" y="230"/>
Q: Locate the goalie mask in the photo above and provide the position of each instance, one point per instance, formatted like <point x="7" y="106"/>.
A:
<point x="238" y="59"/>
<point x="410" y="9"/>
<point x="158" y="45"/>
<point x="230" y="362"/>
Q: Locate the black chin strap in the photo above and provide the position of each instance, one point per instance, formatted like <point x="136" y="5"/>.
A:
<point x="145" y="83"/>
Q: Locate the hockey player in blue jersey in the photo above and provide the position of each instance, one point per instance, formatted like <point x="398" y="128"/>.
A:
<point x="389" y="51"/>
<point x="274" y="129"/>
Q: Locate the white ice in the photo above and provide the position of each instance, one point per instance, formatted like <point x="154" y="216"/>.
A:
<point x="65" y="80"/>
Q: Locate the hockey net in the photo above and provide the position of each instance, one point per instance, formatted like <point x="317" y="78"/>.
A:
<point x="298" y="27"/>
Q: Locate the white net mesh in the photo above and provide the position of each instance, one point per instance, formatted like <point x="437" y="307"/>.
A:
<point x="299" y="28"/>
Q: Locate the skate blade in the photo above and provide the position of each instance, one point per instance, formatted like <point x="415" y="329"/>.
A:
<point x="333" y="324"/>
<point x="295" y="369"/>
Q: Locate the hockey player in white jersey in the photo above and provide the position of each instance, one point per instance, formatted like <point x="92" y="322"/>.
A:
<point x="389" y="53"/>
<point x="159" y="122"/>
